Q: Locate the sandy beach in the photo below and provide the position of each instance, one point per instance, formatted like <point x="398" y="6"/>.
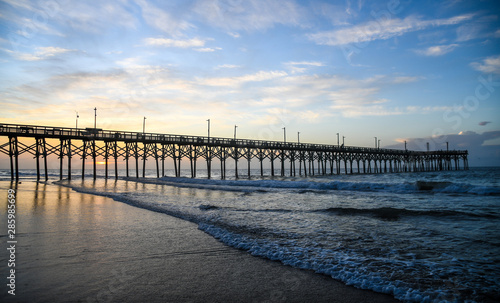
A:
<point x="75" y="247"/>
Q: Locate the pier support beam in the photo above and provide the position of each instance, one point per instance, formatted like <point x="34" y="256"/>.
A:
<point x="163" y="160"/>
<point x="236" y="156"/>
<point x="94" y="159"/>
<point x="41" y="151"/>
<point x="209" y="161"/>
<point x="144" y="158"/>
<point x="115" y="156"/>
<point x="272" y="154"/>
<point x="111" y="148"/>
<point x="65" y="149"/>
<point x="14" y="158"/>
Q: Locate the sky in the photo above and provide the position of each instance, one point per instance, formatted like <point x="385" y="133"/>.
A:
<point x="415" y="71"/>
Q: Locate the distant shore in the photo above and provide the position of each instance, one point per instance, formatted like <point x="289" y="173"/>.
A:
<point x="77" y="247"/>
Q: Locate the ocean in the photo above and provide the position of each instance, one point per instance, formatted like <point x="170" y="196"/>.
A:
<point x="421" y="237"/>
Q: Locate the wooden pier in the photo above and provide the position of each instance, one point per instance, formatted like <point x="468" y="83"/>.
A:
<point x="300" y="158"/>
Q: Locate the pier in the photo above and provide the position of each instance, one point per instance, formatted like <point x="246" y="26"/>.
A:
<point x="301" y="159"/>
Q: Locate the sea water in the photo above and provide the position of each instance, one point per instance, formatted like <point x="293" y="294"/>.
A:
<point x="421" y="237"/>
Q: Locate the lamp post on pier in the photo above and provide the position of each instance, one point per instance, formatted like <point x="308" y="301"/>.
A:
<point x="298" y="137"/>
<point x="95" y="117"/>
<point x="375" y="142"/>
<point x="235" y="126"/>
<point x="284" y="134"/>
<point x="343" y="137"/>
<point x="338" y="142"/>
<point x="378" y="143"/>
<point x="144" y="125"/>
<point x="208" y="130"/>
<point x="76" y="126"/>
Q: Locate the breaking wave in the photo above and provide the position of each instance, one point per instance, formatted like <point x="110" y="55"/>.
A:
<point x="314" y="186"/>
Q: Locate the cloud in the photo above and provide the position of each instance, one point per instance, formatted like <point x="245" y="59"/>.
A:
<point x="28" y="18"/>
<point x="300" y="67"/>
<point x="467" y="133"/>
<point x="89" y="17"/>
<point x="233" y="81"/>
<point x="308" y="63"/>
<point x="41" y="53"/>
<point x="483" y="123"/>
<point x="405" y="79"/>
<point x="339" y="95"/>
<point x="20" y="4"/>
<point x="489" y="65"/>
<point x="234" y="34"/>
<point x="207" y="49"/>
<point x="381" y="30"/>
<point x="468" y="32"/>
<point x="338" y="15"/>
<point x="437" y="50"/>
<point x="227" y="66"/>
<point x="165" y="42"/>
<point x="161" y="19"/>
<point x="483" y="148"/>
<point x="248" y="15"/>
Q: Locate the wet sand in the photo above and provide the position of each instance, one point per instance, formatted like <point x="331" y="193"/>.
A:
<point x="75" y="247"/>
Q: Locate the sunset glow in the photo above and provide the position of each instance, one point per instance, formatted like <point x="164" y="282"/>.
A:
<point x="401" y="71"/>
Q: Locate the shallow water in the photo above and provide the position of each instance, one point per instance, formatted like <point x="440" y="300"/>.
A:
<point x="434" y="243"/>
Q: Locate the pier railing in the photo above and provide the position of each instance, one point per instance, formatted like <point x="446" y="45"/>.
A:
<point x="103" y="135"/>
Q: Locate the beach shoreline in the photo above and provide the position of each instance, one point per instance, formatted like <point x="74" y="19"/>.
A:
<point x="76" y="247"/>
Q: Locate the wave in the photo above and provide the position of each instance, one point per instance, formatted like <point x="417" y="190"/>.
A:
<point x="209" y="207"/>
<point x="309" y="186"/>
<point x="384" y="213"/>
<point x="389" y="213"/>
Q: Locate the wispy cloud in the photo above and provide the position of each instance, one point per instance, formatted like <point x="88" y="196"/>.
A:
<point x="248" y="15"/>
<point x="87" y="17"/>
<point x="302" y="66"/>
<point x="233" y="81"/>
<point x="234" y="34"/>
<point x="381" y="30"/>
<point x="166" y="42"/>
<point x="468" y="32"/>
<point x="161" y="19"/>
<point x="489" y="65"/>
<point x="437" y="50"/>
<point x="41" y="53"/>
<point x="337" y="14"/>
<point x="208" y="49"/>
<point x="406" y="79"/>
<point x="227" y="66"/>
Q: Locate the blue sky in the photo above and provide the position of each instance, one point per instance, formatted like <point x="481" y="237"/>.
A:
<point x="420" y="71"/>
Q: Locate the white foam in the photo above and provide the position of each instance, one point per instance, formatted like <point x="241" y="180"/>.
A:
<point x="252" y="185"/>
<point x="341" y="265"/>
